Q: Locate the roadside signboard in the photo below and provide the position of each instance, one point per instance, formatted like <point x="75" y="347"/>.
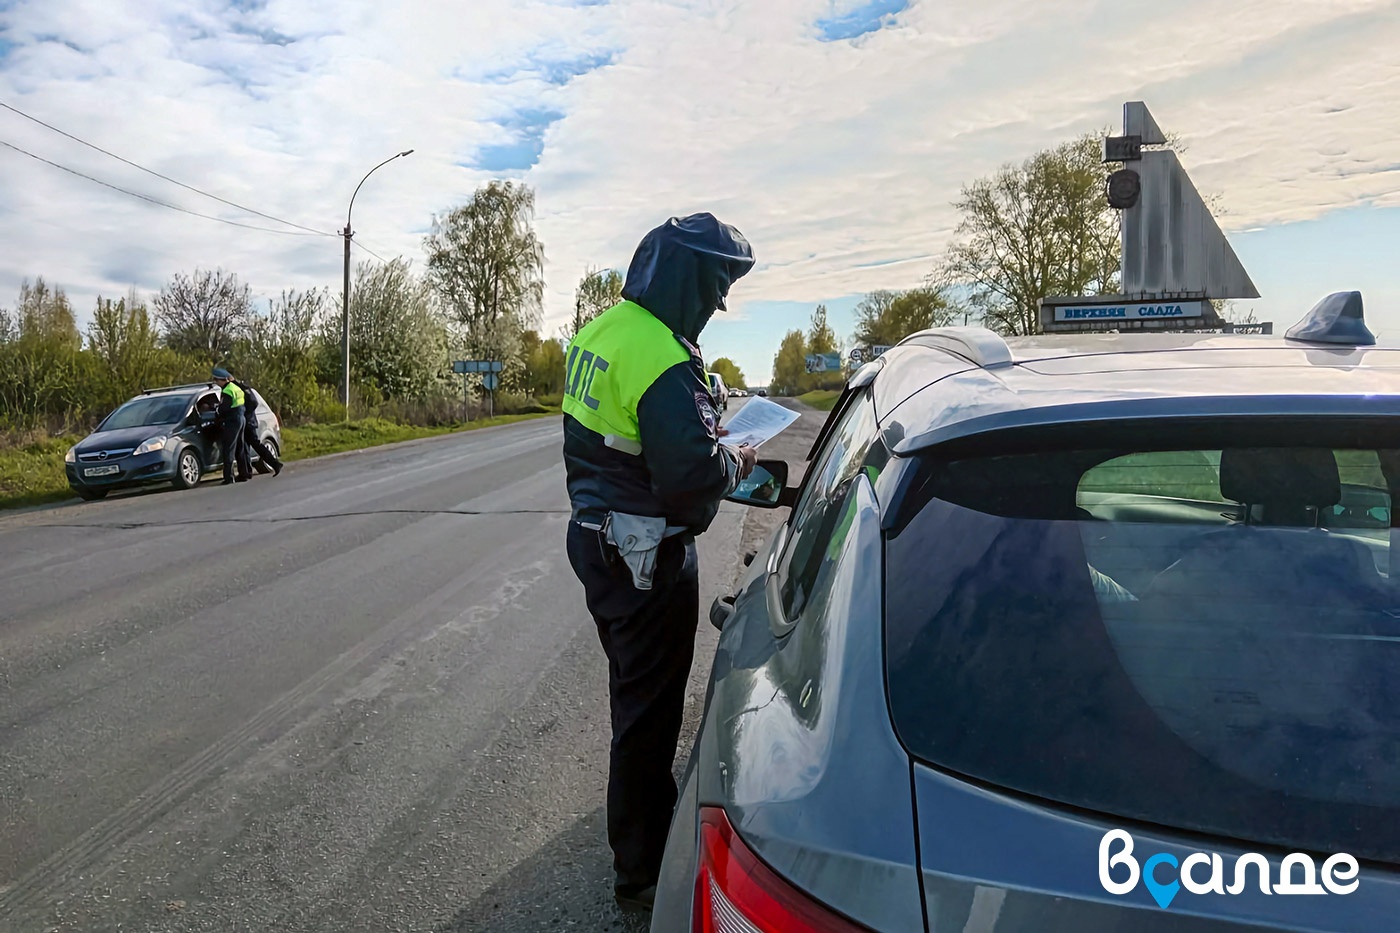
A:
<point x="823" y="362"/>
<point x="476" y="366"/>
<point x="1119" y="312"/>
<point x="1132" y="311"/>
<point x="487" y="369"/>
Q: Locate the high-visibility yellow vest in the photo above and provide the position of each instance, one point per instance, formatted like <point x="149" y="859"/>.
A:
<point x="611" y="363"/>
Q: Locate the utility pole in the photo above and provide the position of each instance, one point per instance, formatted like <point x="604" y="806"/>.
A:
<point x="345" y="293"/>
<point x="345" y="320"/>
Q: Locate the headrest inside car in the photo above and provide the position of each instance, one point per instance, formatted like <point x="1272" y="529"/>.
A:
<point x="1280" y="476"/>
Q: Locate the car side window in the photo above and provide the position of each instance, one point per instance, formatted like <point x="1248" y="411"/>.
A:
<point x="822" y="514"/>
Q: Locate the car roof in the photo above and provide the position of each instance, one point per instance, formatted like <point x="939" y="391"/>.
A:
<point x="168" y="391"/>
<point x="947" y="383"/>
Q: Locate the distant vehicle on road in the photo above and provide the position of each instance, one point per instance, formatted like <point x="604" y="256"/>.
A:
<point x="719" y="391"/>
<point x="1045" y="608"/>
<point x="738" y="393"/>
<point x="161" y="435"/>
<point x="761" y="390"/>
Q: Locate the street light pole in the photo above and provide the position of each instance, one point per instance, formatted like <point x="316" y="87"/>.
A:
<point x="345" y="294"/>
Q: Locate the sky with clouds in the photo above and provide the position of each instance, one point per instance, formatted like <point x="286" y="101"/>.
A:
<point x="834" y="133"/>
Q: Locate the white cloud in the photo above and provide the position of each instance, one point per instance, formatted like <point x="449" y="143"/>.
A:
<point x="839" y="160"/>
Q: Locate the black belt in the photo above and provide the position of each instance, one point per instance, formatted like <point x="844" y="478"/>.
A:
<point x="590" y="519"/>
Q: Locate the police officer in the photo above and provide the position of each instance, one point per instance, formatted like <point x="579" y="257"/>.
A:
<point x="646" y="472"/>
<point x="252" y="440"/>
<point x="231" y="423"/>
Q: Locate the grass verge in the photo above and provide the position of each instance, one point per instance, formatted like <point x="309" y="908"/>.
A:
<point x="32" y="474"/>
<point x="821" y="399"/>
<point x="317" y="440"/>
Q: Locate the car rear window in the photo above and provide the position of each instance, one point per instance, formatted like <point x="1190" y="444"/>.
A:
<point x="1207" y="639"/>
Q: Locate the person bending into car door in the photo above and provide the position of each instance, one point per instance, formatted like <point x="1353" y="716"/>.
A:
<point x="646" y="472"/>
<point x="231" y="413"/>
<point x="252" y="440"/>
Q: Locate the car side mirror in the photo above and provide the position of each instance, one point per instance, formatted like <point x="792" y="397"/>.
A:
<point x="766" y="487"/>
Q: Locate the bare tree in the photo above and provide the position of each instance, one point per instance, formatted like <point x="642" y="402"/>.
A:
<point x="487" y="267"/>
<point x="204" y="313"/>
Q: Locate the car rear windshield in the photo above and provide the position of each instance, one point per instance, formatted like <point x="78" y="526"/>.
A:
<point x="1205" y="637"/>
<point x="166" y="409"/>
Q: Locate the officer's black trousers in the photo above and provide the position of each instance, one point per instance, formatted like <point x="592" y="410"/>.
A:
<point x="233" y="449"/>
<point x="253" y="444"/>
<point x="649" y="638"/>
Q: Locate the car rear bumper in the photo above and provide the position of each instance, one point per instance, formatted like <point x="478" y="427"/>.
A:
<point x="154" y="467"/>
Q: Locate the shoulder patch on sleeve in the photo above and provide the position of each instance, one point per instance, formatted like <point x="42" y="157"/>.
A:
<point x="705" y="406"/>
<point x="691" y="348"/>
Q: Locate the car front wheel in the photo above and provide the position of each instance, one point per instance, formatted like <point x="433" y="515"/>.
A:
<point x="187" y="470"/>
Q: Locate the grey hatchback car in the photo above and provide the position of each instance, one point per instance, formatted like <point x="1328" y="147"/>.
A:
<point x="1065" y="633"/>
<point x="162" y="435"/>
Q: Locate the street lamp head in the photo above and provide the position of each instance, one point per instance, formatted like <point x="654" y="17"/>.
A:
<point x="406" y="152"/>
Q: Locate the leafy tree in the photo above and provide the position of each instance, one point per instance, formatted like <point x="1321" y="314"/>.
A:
<point x="884" y="318"/>
<point x="790" y="364"/>
<point x="44" y="315"/>
<point x="597" y="291"/>
<point x="821" y="338"/>
<point x="487" y="267"/>
<point x="123" y="341"/>
<point x="398" y="343"/>
<point x="279" y="354"/>
<point x="204" y="314"/>
<point x="44" y="377"/>
<point x="730" y="372"/>
<point x="543" y="361"/>
<point x="1035" y="229"/>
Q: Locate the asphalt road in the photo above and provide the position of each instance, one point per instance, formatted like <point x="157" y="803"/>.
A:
<point x="363" y="695"/>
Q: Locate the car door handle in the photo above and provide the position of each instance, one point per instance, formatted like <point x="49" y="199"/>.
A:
<point x="721" y="610"/>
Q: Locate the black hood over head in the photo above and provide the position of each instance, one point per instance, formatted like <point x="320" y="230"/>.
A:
<point x="682" y="271"/>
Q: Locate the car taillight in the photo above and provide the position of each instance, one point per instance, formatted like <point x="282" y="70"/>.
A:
<point x="736" y="893"/>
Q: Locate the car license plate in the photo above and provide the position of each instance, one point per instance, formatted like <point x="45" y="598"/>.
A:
<point x="102" y="470"/>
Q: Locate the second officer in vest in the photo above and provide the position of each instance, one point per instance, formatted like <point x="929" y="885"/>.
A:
<point x="232" y="447"/>
<point x="646" y="473"/>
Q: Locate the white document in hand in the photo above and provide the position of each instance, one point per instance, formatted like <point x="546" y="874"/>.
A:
<point x="759" y="420"/>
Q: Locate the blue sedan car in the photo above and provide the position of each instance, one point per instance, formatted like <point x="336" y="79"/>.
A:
<point x="1078" y="633"/>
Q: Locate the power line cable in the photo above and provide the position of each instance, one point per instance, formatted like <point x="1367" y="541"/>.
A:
<point x="148" y="171"/>
<point x="156" y="201"/>
<point x="370" y="251"/>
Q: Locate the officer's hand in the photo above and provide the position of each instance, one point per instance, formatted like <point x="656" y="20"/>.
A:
<point x="748" y="456"/>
